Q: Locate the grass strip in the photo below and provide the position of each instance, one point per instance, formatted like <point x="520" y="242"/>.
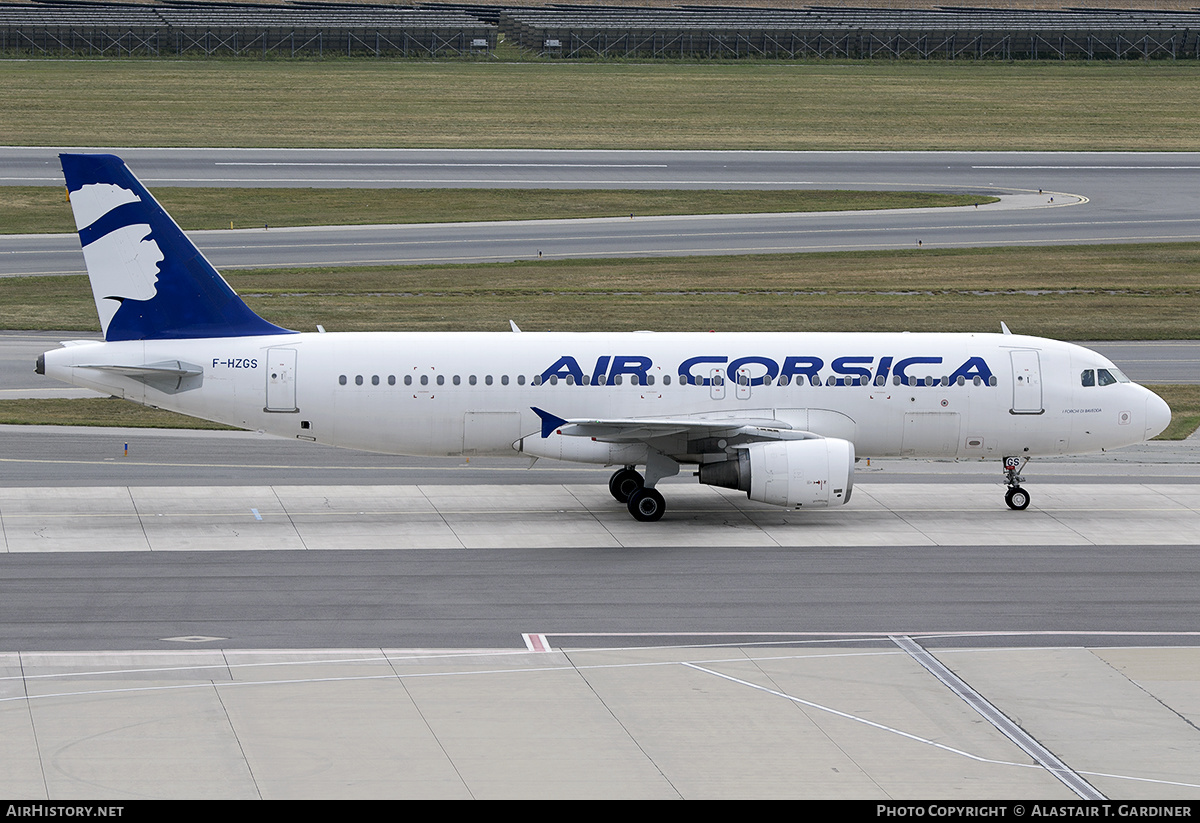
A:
<point x="760" y="105"/>
<point x="1184" y="401"/>
<point x="96" y="411"/>
<point x="1103" y="292"/>
<point x="36" y="209"/>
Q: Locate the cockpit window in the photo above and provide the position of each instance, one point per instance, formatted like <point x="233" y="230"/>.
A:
<point x="1088" y="377"/>
<point x="1109" y="376"/>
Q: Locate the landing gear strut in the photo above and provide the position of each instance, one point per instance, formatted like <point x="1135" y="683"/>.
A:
<point x="1016" y="497"/>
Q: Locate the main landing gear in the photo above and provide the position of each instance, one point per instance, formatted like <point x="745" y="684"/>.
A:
<point x="1016" y="497"/>
<point x="628" y="487"/>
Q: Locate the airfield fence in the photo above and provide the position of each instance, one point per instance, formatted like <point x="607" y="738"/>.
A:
<point x="849" y="33"/>
<point x="312" y="28"/>
<point x="205" y="29"/>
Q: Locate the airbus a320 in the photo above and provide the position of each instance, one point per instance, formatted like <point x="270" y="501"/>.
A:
<point x="781" y="417"/>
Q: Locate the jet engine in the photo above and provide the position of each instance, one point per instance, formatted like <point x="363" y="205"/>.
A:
<point x="792" y="473"/>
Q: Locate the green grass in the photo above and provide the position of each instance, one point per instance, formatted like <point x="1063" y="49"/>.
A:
<point x="1116" y="292"/>
<point x="1184" y="401"/>
<point x="35" y="209"/>
<point x="769" y="105"/>
<point x="99" y="411"/>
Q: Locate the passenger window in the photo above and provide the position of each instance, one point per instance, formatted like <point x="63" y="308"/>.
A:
<point x="441" y="379"/>
<point x="472" y="380"/>
<point x="457" y="380"/>
<point x="374" y="380"/>
<point x="1087" y="378"/>
<point x="391" y="379"/>
<point x="488" y="380"/>
<point x="358" y="381"/>
<point x="342" y="380"/>
<point x="504" y="380"/>
<point x="408" y="379"/>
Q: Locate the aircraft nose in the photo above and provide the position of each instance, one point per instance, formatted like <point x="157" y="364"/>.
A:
<point x="1158" y="415"/>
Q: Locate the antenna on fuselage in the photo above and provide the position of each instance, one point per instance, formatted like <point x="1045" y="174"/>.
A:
<point x="1004" y="328"/>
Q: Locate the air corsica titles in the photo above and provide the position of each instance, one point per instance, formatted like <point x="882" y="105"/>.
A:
<point x="699" y="370"/>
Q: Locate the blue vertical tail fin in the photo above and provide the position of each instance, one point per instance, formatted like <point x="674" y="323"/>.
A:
<point x="149" y="280"/>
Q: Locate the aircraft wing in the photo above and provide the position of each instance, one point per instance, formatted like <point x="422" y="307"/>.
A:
<point x="634" y="430"/>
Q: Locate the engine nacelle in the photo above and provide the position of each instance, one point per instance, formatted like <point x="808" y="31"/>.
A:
<point x="792" y="473"/>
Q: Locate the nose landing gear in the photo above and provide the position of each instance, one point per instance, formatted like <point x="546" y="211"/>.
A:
<point x="1016" y="497"/>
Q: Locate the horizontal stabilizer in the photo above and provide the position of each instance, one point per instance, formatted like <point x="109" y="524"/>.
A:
<point x="169" y="368"/>
<point x="168" y="375"/>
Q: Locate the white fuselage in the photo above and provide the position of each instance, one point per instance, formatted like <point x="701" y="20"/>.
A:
<point x="931" y="395"/>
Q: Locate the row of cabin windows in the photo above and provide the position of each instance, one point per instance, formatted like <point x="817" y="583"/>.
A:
<point x="423" y="380"/>
<point x="716" y="380"/>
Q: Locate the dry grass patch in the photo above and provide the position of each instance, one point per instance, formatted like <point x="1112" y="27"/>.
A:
<point x="768" y="105"/>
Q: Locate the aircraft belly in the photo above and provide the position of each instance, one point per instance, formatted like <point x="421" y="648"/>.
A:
<point x="930" y="434"/>
<point x="396" y="422"/>
<point x="490" y="432"/>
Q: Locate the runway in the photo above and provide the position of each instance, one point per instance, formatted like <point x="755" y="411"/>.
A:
<point x="228" y="615"/>
<point x="1047" y="199"/>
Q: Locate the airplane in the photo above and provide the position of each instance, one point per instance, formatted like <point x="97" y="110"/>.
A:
<point x="782" y="417"/>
